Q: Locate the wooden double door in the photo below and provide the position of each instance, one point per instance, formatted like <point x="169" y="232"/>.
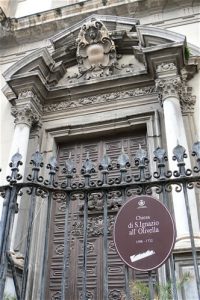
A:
<point x="116" y="279"/>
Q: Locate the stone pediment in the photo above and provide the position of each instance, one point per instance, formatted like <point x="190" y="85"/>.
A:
<point x="97" y="49"/>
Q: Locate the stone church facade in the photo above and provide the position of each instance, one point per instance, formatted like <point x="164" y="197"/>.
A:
<point x="99" y="81"/>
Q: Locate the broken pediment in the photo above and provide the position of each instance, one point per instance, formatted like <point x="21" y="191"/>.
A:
<point x="97" y="56"/>
<point x="124" y="65"/>
<point x="97" y="49"/>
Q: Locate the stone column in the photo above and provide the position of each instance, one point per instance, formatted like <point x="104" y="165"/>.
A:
<point x="27" y="114"/>
<point x="169" y="86"/>
<point x="24" y="118"/>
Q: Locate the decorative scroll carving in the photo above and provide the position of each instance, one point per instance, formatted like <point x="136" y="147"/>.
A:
<point x="187" y="100"/>
<point x="56" y="296"/>
<point x="60" y="249"/>
<point x="115" y="270"/>
<point x="95" y="226"/>
<point x="95" y="202"/>
<point x="111" y="246"/>
<point x="115" y="295"/>
<point x="90" y="247"/>
<point x="96" y="53"/>
<point x="166" y="67"/>
<point x="86" y="101"/>
<point x="89" y="296"/>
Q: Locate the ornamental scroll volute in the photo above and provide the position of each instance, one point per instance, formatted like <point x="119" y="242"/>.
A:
<point x="96" y="53"/>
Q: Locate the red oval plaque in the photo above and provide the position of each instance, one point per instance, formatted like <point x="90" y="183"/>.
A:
<point x="144" y="233"/>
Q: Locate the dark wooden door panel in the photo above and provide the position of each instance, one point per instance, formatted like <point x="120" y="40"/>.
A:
<point x="78" y="151"/>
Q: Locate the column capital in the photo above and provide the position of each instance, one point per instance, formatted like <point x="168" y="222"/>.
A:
<point x="170" y="84"/>
<point x="168" y="87"/>
<point x="25" y="115"/>
<point x="27" y="109"/>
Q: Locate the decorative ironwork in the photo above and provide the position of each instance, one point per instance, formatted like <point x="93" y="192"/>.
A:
<point x="179" y="155"/>
<point x="142" y="161"/>
<point x="87" y="170"/>
<point x="161" y="158"/>
<point x="99" y="196"/>
<point x="15" y="163"/>
<point x="69" y="169"/>
<point x="37" y="163"/>
<point x="53" y="167"/>
<point x="123" y="163"/>
<point x="104" y="167"/>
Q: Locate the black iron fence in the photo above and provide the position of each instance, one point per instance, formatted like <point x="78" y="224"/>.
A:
<point x="144" y="181"/>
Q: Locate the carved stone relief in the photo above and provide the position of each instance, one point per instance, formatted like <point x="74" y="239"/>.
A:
<point x="98" y="99"/>
<point x="115" y="295"/>
<point x="165" y="67"/>
<point x="95" y="226"/>
<point x="89" y="295"/>
<point x="96" y="53"/>
<point x="56" y="296"/>
<point x="187" y="100"/>
<point x="6" y="24"/>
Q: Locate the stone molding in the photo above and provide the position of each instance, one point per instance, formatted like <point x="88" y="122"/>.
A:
<point x="98" y="99"/>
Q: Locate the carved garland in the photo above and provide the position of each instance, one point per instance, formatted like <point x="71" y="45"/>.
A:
<point x="98" y="99"/>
